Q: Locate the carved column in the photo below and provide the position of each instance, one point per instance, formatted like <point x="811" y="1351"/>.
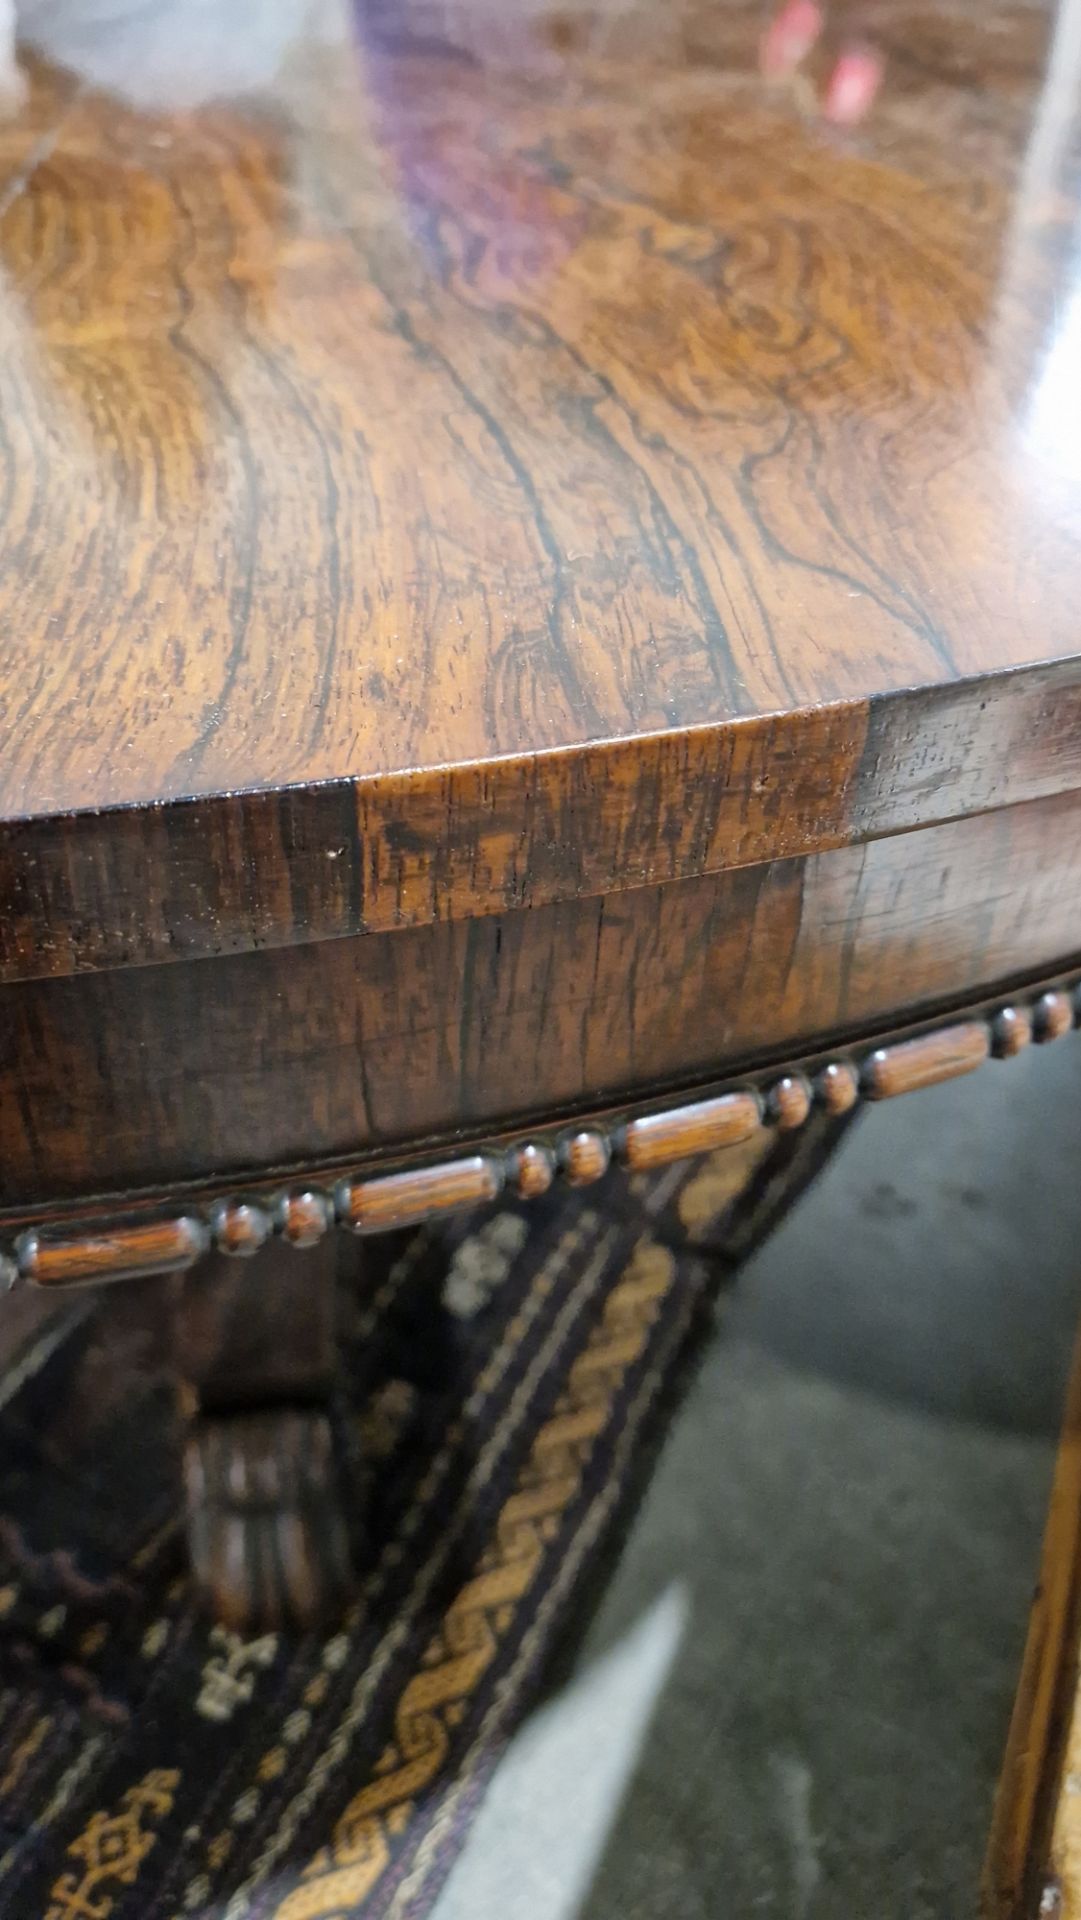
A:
<point x="255" y="1349"/>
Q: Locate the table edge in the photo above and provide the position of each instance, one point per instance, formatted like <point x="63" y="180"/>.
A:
<point x="242" y="870"/>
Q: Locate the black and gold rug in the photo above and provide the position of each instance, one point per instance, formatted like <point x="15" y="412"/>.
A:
<point x="504" y="1379"/>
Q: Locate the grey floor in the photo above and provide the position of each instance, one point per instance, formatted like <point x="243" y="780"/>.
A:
<point x="793" y="1698"/>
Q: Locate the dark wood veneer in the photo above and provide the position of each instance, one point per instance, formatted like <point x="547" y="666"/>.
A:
<point x="538" y="624"/>
<point x="372" y="1202"/>
<point x="144" y="1075"/>
<point x="525" y="463"/>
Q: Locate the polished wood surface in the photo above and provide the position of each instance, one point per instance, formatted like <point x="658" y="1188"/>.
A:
<point x="1033" y="1866"/>
<point x="404" y="1199"/>
<point x="533" y="1169"/>
<point x="1011" y="1032"/>
<point x="146" y="1075"/>
<point x="536" y="576"/>
<point x="658" y="1138"/>
<point x="1052" y="1016"/>
<point x="526" y="457"/>
<point x="370" y="1202"/>
<point x="539" y="525"/>
<point x="586" y="1156"/>
<point x="125" y="1253"/>
<point x="838" y="1087"/>
<point x="790" y="1101"/>
<point x="943" y="1055"/>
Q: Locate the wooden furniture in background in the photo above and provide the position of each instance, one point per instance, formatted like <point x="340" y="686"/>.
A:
<point x="538" y="624"/>
<point x="1033" y="1865"/>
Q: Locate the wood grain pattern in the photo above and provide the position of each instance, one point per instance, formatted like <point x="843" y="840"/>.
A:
<point x="372" y="1203"/>
<point x="585" y="1157"/>
<point x="1033" y="1862"/>
<point x="122" y="1253"/>
<point x="530" y="461"/>
<point x="533" y="1170"/>
<point x="926" y="1062"/>
<point x="790" y="1101"/>
<point x="304" y="1217"/>
<point x="657" y="1138"/>
<point x="91" y="891"/>
<point x="1060" y="1892"/>
<point x="581" y="558"/>
<point x="241" y="1229"/>
<point x="405" y="1199"/>
<point x="343" y="1049"/>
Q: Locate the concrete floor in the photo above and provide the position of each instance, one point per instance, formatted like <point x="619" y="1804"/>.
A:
<point x="793" y="1698"/>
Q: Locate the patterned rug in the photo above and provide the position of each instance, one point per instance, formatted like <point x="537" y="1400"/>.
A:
<point x="505" y="1377"/>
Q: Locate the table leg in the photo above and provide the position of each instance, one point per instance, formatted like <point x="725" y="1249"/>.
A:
<point x="266" y="1526"/>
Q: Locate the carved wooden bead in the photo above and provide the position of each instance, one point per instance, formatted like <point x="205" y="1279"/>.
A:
<point x="533" y="1170"/>
<point x="790" y="1101"/>
<point x="585" y="1158"/>
<point x="303" y="1218"/>
<point x="1052" y="1016"/>
<point x="1011" y="1032"/>
<point x="404" y="1199"/>
<point x="926" y="1061"/>
<point x="838" y="1087"/>
<point x="119" y="1253"/>
<point x="241" y="1228"/>
<point x="658" y="1138"/>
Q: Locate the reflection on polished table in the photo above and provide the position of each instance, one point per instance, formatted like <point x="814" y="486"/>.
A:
<point x="539" y="614"/>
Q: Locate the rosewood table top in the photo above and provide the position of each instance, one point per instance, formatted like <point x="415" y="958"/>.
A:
<point x="537" y="572"/>
<point x="520" y="454"/>
<point x="540" y="560"/>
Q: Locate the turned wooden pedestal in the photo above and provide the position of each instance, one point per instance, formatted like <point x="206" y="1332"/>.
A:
<point x="267" y="1510"/>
